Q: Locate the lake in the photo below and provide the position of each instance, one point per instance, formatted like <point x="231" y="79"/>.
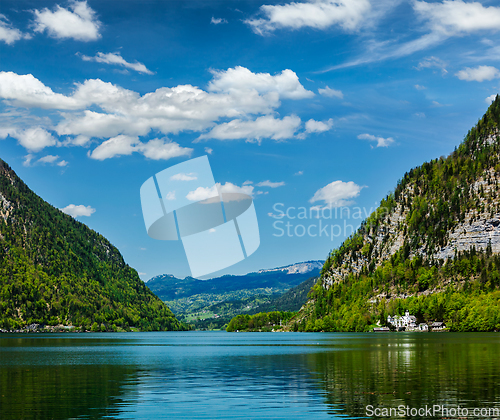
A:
<point x="219" y="375"/>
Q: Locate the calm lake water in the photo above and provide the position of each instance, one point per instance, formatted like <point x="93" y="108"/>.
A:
<point x="218" y="375"/>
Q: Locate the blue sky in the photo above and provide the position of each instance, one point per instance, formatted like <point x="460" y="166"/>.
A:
<point x="321" y="104"/>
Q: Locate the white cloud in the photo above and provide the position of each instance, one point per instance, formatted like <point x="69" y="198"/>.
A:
<point x="27" y="159"/>
<point x="48" y="159"/>
<point x="263" y="127"/>
<point x="430" y="62"/>
<point x="168" y="110"/>
<point x="489" y="100"/>
<point x="299" y="173"/>
<point x="27" y="91"/>
<point x="231" y="188"/>
<point x="270" y="184"/>
<point x="79" y="23"/>
<point x="35" y="139"/>
<point x="155" y="149"/>
<point x="443" y="20"/>
<point x="80" y="210"/>
<point x="337" y="194"/>
<point x="381" y="142"/>
<point x="456" y="17"/>
<point x="420" y="87"/>
<point x="184" y="177"/>
<point x="8" y="33"/>
<point x="319" y="14"/>
<point x="248" y="182"/>
<point x="478" y="74"/>
<point x="331" y="93"/>
<point x="117" y="59"/>
<point x="115" y="146"/>
<point x="217" y="21"/>
<point x="170" y="195"/>
<point x="202" y="193"/>
<point x="246" y="102"/>
<point x="313" y="126"/>
<point x="208" y="150"/>
<point x="158" y="149"/>
<point x="240" y="79"/>
<point x="7" y="131"/>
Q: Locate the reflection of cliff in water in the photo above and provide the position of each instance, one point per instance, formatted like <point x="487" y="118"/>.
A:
<point x="410" y="369"/>
<point x="62" y="392"/>
<point x="61" y="376"/>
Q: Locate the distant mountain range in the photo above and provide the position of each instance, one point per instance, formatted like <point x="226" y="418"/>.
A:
<point x="168" y="287"/>
<point x="216" y="300"/>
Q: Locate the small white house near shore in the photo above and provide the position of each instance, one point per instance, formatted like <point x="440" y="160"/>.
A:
<point x="407" y="322"/>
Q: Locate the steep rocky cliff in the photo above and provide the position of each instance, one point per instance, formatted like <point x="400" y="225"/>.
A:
<point x="435" y="238"/>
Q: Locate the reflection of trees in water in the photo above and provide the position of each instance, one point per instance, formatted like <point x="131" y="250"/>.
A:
<point x="450" y="370"/>
<point x="62" y="392"/>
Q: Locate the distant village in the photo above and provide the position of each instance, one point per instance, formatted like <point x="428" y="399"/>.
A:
<point x="408" y="322"/>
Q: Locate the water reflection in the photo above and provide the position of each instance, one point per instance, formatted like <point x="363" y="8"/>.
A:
<point x="254" y="375"/>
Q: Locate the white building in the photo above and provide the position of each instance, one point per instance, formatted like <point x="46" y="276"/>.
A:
<point x="438" y="326"/>
<point x="407" y="321"/>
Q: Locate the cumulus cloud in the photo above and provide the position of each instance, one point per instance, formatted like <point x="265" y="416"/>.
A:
<point x="168" y="110"/>
<point x="79" y="22"/>
<point x="320" y="14"/>
<point x="381" y="142"/>
<point x="8" y="33"/>
<point x="78" y="210"/>
<point x="331" y="93"/>
<point x="204" y="193"/>
<point x="117" y="59"/>
<point x="337" y="194"/>
<point x="27" y="91"/>
<point x="270" y="184"/>
<point x="240" y="79"/>
<point x="313" y="126"/>
<point x="155" y="149"/>
<point x="35" y="139"/>
<point x="490" y="98"/>
<point x="255" y="130"/>
<point x="420" y="87"/>
<point x="456" y="17"/>
<point x="246" y="103"/>
<point x="218" y="21"/>
<point x="184" y="177"/>
<point x="208" y="150"/>
<point x="48" y="159"/>
<point x="478" y="74"/>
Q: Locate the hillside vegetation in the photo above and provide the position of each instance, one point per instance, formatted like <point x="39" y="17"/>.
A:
<point x="54" y="270"/>
<point x="431" y="247"/>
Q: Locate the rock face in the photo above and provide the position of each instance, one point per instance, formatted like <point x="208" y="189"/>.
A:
<point x="424" y="207"/>
<point x="432" y="247"/>
<point x="299" y="268"/>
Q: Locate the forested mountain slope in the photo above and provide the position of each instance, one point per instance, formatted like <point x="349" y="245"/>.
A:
<point x="431" y="247"/>
<point x="55" y="270"/>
